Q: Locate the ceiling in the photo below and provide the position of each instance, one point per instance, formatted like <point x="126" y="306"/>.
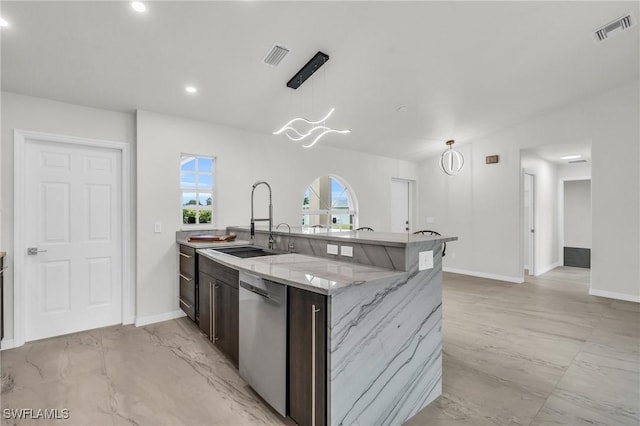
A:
<point x="462" y="69"/>
<point x="554" y="153"/>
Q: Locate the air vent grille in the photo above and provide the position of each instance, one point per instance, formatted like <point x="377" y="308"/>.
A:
<point x="577" y="161"/>
<point x="275" y="55"/>
<point x="620" y="24"/>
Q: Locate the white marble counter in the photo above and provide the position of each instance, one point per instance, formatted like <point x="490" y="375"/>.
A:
<point x="307" y="272"/>
<point x="210" y="244"/>
<point x="389" y="239"/>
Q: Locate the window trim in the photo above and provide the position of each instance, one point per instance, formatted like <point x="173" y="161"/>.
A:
<point x="351" y="196"/>
<point x="214" y="193"/>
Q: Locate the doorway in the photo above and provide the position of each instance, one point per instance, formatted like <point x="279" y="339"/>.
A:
<point x="401" y="205"/>
<point x="71" y="232"/>
<point x="529" y="224"/>
<point x="576" y="223"/>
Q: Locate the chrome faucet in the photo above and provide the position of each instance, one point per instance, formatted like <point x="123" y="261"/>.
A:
<point x="270" y="219"/>
<point x="290" y="246"/>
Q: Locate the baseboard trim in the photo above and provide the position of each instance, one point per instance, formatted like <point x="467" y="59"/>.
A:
<point x="152" y="319"/>
<point x="7" y="344"/>
<point x="547" y="268"/>
<point x="614" y="295"/>
<point x="517" y="280"/>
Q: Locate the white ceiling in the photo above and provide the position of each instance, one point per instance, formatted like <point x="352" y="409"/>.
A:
<point x="554" y="153"/>
<point x="462" y="68"/>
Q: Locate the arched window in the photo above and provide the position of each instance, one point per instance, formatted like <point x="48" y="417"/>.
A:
<point x="329" y="203"/>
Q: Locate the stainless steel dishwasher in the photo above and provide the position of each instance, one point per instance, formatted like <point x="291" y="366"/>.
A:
<point x="263" y="339"/>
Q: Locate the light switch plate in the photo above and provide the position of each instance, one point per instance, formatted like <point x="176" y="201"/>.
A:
<point x="157" y="227"/>
<point x="346" y="251"/>
<point x="332" y="249"/>
<point x="425" y="260"/>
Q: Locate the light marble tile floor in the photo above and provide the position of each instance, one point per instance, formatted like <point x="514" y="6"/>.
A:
<point x="539" y="353"/>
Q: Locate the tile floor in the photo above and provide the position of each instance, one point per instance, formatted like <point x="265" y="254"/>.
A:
<point x="539" y="353"/>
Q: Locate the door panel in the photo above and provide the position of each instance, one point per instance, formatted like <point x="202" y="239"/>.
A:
<point x="99" y="274"/>
<point x="98" y="198"/>
<point x="56" y="215"/>
<point x="400" y="206"/>
<point x="55" y="287"/>
<point x="74" y="199"/>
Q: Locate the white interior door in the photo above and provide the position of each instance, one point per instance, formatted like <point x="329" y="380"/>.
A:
<point x="529" y="223"/>
<point x="73" y="278"/>
<point x="400" y="205"/>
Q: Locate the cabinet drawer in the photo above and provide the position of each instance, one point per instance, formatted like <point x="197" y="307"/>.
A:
<point x="188" y="307"/>
<point x="188" y="290"/>
<point x="220" y="272"/>
<point x="187" y="261"/>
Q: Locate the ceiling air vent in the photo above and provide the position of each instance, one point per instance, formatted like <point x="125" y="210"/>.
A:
<point x="275" y="55"/>
<point x="577" y="161"/>
<point x="603" y="33"/>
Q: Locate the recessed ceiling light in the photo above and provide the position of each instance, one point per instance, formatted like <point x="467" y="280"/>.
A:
<point x="138" y="6"/>
<point x="570" y="157"/>
<point x="190" y="89"/>
<point x="3" y="23"/>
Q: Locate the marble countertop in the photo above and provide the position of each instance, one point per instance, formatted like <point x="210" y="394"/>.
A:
<point x="203" y="245"/>
<point x="307" y="272"/>
<point x="395" y="239"/>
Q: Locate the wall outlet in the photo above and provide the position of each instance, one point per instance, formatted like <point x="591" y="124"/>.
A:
<point x="346" y="251"/>
<point x="425" y="260"/>
<point x="332" y="249"/>
<point x="157" y="227"/>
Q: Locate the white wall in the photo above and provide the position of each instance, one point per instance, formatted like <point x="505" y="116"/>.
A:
<point x="482" y="205"/>
<point x="242" y="158"/>
<point x="577" y="213"/>
<point x="546" y="256"/>
<point x="43" y="115"/>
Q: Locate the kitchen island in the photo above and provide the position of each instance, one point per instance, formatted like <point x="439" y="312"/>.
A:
<point x="383" y="350"/>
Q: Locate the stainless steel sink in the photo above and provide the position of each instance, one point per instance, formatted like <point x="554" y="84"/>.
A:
<point x="246" y="251"/>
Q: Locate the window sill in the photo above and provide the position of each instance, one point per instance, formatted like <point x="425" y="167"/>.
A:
<point x="198" y="227"/>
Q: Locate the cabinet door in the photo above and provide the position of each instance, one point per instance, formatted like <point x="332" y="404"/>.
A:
<point x="307" y="320"/>
<point x="205" y="289"/>
<point x="226" y="319"/>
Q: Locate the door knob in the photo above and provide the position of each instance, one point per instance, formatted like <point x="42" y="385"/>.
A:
<point x="33" y="251"/>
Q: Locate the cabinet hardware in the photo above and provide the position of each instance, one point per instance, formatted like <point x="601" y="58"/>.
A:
<point x="185" y="255"/>
<point x="185" y="277"/>
<point x="211" y="311"/>
<point x="314" y="311"/>
<point x="184" y="303"/>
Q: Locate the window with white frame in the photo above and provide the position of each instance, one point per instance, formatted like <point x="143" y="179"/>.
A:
<point x="197" y="186"/>
<point x="329" y="203"/>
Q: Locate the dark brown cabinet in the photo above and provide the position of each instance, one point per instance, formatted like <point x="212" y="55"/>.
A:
<point x="218" y="306"/>
<point x="226" y="319"/>
<point x="307" y="322"/>
<point x="206" y="293"/>
<point x="187" y="278"/>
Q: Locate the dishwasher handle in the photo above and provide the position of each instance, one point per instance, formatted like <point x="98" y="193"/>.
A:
<point x="260" y="292"/>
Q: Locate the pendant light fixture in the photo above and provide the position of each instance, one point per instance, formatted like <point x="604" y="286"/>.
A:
<point x="319" y="127"/>
<point x="451" y="161"/>
<point x="295" y="135"/>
